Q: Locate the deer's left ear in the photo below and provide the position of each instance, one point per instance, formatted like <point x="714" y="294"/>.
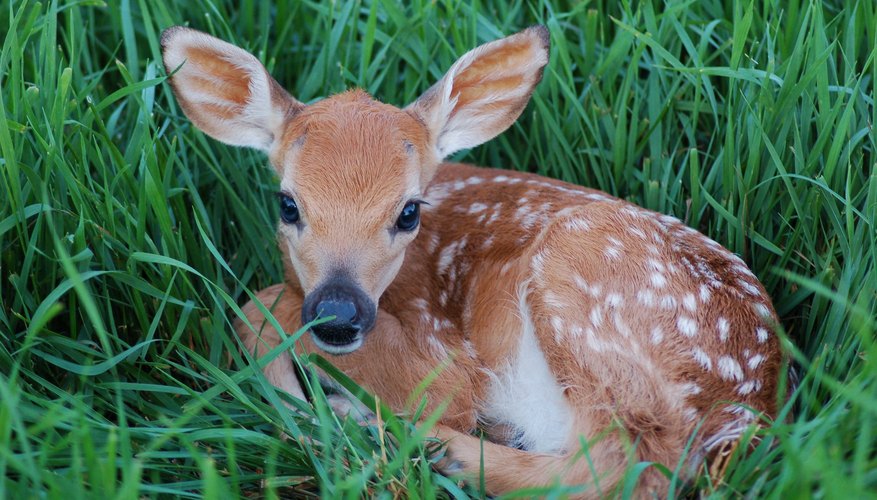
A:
<point x="484" y="92"/>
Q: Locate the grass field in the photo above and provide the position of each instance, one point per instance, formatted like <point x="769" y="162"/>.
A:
<point x="128" y="239"/>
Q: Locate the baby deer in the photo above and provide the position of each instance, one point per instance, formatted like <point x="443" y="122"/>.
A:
<point x="558" y="314"/>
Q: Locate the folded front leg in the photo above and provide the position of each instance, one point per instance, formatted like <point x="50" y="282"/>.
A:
<point x="285" y="305"/>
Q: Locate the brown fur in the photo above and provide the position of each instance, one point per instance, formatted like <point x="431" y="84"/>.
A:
<point x="646" y="327"/>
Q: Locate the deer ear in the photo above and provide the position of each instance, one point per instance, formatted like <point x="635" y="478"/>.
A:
<point x="225" y="90"/>
<point x="484" y="92"/>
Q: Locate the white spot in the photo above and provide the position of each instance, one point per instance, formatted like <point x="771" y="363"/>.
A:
<point x="459" y="185"/>
<point x="762" y="310"/>
<point x="704" y="293"/>
<point x="433" y="243"/>
<point x="738" y="410"/>
<point x="596" y="316"/>
<point x="538" y="262"/>
<point x="729" y="369"/>
<point x="646" y="297"/>
<point x="741" y="267"/>
<point x="522" y="211"/>
<point x="702" y="359"/>
<point x="452" y="276"/>
<point x="749" y="288"/>
<point x="724" y="329"/>
<point x="506" y="267"/>
<point x="657" y="335"/>
<point x="652" y="249"/>
<point x="487" y="243"/>
<point x="437" y="348"/>
<point x="632" y="211"/>
<point x="658" y="280"/>
<point x="761" y="335"/>
<point x="615" y="241"/>
<point x="620" y="325"/>
<point x="528" y="220"/>
<point x="474" y="180"/>
<point x="577" y="225"/>
<point x="755" y="361"/>
<point x="671" y="221"/>
<point x="595" y="196"/>
<point x="553" y="301"/>
<point x="448" y="254"/>
<point x="612" y="253"/>
<point x="691" y="389"/>
<point x="614" y="300"/>
<point x="426" y="317"/>
<point x="563" y="213"/>
<point x="690" y="414"/>
<point x="557" y="324"/>
<point x="704" y="271"/>
<point x="655" y="265"/>
<point x="746" y="387"/>
<point x="500" y="178"/>
<point x="636" y="232"/>
<point x="689" y="302"/>
<point x="592" y="290"/>
<point x="469" y="349"/>
<point x="687" y="326"/>
<point x="477" y="208"/>
<point x="421" y="304"/>
<point x="436" y="195"/>
<point x="592" y="340"/>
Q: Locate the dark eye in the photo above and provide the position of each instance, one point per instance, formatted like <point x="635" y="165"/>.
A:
<point x="409" y="218"/>
<point x="288" y="210"/>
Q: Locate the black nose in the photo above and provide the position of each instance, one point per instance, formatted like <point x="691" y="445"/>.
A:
<point x="353" y="311"/>
<point x="344" y="310"/>
<point x="345" y="326"/>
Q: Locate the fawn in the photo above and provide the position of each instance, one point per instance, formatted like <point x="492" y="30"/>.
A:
<point x="566" y="313"/>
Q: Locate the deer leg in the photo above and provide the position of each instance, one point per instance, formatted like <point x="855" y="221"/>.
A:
<point x="507" y="469"/>
<point x="263" y="337"/>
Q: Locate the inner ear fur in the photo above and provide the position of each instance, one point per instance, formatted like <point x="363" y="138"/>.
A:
<point x="484" y="92"/>
<point x="224" y="90"/>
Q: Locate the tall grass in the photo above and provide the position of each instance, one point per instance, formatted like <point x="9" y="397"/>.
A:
<point x="128" y="239"/>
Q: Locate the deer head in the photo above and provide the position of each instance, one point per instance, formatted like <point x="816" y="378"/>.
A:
<point x="352" y="170"/>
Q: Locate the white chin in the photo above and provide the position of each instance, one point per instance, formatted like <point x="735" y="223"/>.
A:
<point x="338" y="349"/>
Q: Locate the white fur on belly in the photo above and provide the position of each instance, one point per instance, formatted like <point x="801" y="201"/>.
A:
<point x="526" y="396"/>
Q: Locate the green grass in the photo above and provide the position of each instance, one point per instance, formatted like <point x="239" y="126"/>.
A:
<point x="127" y="238"/>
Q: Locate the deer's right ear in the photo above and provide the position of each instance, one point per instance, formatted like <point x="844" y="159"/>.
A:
<point x="225" y="90"/>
